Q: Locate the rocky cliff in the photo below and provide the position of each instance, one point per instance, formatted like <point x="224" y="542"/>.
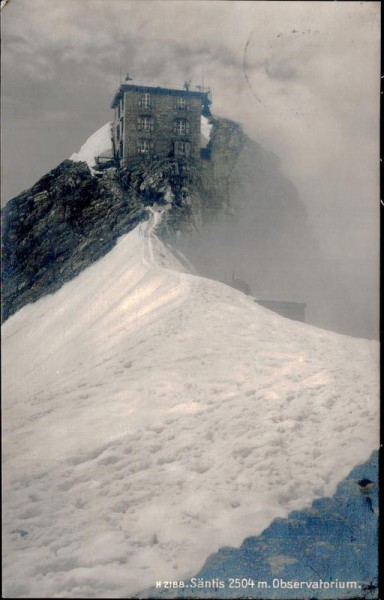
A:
<point x="51" y="232"/>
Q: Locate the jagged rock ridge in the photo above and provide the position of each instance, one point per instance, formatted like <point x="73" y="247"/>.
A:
<point x="66" y="221"/>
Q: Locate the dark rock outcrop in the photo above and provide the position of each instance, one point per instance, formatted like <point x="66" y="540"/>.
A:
<point x="333" y="542"/>
<point x="51" y="232"/>
<point x="173" y="182"/>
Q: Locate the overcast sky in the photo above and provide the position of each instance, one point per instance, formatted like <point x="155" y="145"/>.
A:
<point x="302" y="77"/>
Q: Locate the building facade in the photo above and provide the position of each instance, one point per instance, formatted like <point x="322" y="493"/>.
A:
<point x="156" y="122"/>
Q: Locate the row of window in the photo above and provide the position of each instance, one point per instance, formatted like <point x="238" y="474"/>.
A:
<point x="180" y="148"/>
<point x="145" y="101"/>
<point x="180" y="126"/>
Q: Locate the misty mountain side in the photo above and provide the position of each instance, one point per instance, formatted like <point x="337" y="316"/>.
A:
<point x="253" y="225"/>
<point x="231" y="214"/>
<point x="315" y="551"/>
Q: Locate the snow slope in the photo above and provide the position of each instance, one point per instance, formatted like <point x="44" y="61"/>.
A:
<point x="98" y="143"/>
<point x="152" y="416"/>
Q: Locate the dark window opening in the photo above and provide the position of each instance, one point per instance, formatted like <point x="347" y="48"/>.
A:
<point x="182" y="149"/>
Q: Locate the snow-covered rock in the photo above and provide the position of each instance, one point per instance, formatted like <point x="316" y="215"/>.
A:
<point x="98" y="143"/>
<point x="151" y="416"/>
<point x="206" y="130"/>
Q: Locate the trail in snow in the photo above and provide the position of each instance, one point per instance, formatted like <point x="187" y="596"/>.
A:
<point x="151" y="416"/>
<point x="151" y="226"/>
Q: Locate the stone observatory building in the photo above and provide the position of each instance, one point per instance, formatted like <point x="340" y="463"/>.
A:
<point x="157" y="122"/>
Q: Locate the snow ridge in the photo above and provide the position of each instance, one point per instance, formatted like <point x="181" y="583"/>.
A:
<point x="98" y="143"/>
<point x="152" y="416"/>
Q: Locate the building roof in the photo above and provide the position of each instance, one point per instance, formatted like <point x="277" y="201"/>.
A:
<point x="194" y="93"/>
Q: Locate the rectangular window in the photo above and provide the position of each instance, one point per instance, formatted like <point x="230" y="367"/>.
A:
<point x="143" y="146"/>
<point x="182" y="149"/>
<point x="181" y="126"/>
<point x="181" y="103"/>
<point x="145" y="124"/>
<point x="145" y="101"/>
